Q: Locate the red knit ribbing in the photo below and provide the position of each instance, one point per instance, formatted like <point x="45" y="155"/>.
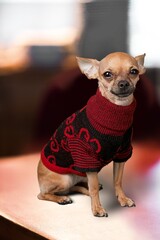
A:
<point x="109" y="118"/>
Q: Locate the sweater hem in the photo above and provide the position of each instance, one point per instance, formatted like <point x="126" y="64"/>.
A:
<point x="61" y="170"/>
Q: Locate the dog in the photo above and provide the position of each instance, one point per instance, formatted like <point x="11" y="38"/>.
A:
<point x="94" y="136"/>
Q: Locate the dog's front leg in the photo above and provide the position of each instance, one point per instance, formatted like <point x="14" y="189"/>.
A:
<point x="117" y="175"/>
<point x="93" y="185"/>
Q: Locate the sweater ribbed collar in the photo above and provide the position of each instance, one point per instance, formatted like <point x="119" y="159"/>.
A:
<point x="109" y="118"/>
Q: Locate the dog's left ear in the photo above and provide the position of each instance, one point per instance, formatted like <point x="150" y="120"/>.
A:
<point x="88" y="66"/>
<point x="140" y="61"/>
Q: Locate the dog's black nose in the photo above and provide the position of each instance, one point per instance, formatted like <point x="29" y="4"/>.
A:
<point x="123" y="84"/>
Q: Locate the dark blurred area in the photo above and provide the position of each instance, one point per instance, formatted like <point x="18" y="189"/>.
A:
<point x="40" y="83"/>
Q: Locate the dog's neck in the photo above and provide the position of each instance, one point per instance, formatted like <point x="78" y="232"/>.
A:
<point x="107" y="117"/>
<point x="126" y="101"/>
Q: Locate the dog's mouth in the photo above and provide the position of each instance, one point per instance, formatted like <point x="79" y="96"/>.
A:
<point x="123" y="94"/>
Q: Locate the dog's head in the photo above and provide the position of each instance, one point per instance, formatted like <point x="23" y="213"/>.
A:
<point x="117" y="74"/>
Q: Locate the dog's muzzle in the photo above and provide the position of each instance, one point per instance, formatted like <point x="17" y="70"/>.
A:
<point x="123" y="89"/>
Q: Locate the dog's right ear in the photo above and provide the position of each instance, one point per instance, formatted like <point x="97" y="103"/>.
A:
<point x="140" y="61"/>
<point x="88" y="66"/>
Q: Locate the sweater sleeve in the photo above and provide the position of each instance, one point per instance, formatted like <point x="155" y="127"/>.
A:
<point x="125" y="151"/>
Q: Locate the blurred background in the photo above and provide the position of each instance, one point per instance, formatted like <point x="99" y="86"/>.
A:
<point x="40" y="83"/>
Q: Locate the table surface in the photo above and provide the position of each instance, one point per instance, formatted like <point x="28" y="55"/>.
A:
<point x="19" y="203"/>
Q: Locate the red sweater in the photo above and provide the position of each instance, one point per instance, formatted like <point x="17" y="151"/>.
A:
<point x="91" y="138"/>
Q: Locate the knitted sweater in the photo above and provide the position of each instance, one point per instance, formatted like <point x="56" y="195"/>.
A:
<point x="91" y="138"/>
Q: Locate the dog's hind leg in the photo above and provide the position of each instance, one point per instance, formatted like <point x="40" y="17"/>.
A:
<point x="55" y="198"/>
<point x="79" y="189"/>
<point x="53" y="186"/>
<point x="55" y="191"/>
<point x="82" y="187"/>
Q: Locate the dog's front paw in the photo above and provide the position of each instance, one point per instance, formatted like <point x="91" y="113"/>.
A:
<point x="99" y="212"/>
<point x="126" y="202"/>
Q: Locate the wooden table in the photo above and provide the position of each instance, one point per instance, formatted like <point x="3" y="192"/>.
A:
<point x="23" y="216"/>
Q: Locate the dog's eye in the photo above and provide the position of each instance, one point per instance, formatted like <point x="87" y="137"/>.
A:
<point x="107" y="74"/>
<point x="134" y="71"/>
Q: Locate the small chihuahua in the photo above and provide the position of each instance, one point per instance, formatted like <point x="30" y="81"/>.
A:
<point x="94" y="136"/>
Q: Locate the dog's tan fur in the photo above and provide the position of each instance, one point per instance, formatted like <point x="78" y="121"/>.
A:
<point x="56" y="187"/>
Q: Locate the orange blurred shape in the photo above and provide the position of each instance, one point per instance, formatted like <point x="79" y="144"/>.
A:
<point x="145" y="155"/>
